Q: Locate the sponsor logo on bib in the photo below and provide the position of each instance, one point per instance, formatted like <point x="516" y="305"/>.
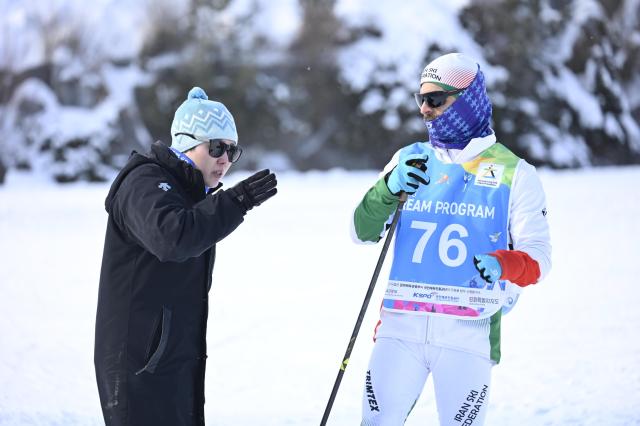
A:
<point x="489" y="175"/>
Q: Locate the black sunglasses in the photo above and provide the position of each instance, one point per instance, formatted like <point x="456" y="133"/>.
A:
<point x="217" y="147"/>
<point x="435" y="99"/>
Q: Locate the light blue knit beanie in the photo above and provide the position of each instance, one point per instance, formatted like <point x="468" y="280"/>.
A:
<point x="202" y="118"/>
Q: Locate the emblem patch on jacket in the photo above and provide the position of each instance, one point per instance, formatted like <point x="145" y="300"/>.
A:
<point x="489" y="175"/>
<point x="164" y="186"/>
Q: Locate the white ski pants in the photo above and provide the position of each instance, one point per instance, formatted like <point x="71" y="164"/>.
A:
<point x="398" y="371"/>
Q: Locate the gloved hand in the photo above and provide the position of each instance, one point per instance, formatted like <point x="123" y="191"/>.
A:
<point x="488" y="266"/>
<point x="254" y="190"/>
<point x="410" y="172"/>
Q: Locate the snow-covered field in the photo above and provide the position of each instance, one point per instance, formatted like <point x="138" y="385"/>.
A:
<point x="571" y="348"/>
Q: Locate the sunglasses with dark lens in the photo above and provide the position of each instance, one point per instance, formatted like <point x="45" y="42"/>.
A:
<point x="217" y="147"/>
<point x="435" y="99"/>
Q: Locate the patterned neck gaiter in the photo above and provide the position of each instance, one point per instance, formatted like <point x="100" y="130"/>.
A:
<point x="467" y="118"/>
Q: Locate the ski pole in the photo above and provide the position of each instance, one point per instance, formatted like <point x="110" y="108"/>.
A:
<point x="363" y="309"/>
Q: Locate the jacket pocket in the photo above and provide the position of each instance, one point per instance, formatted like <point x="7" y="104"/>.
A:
<point x="165" y="328"/>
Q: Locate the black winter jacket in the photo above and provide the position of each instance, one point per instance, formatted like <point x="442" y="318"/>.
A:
<point x="159" y="251"/>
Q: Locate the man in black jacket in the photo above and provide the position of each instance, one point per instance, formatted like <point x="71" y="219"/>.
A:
<point x="165" y="217"/>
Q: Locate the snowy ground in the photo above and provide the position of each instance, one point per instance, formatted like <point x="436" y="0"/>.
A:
<point x="571" y="348"/>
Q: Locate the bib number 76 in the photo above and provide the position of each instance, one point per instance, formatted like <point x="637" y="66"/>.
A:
<point x="444" y="244"/>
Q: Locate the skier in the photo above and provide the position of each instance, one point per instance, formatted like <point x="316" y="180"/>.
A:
<point x="166" y="213"/>
<point x="475" y="214"/>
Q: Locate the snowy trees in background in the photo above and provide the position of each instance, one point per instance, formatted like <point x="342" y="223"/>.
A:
<point x="571" y="98"/>
<point x="285" y="93"/>
<point x="67" y="102"/>
<point x="311" y="84"/>
<point x="220" y="47"/>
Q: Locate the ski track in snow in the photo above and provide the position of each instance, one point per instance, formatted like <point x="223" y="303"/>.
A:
<point x="287" y="288"/>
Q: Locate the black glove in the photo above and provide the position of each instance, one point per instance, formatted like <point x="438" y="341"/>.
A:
<point x="254" y="190"/>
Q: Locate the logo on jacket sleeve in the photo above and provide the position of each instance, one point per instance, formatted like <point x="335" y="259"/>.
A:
<point x="489" y="175"/>
<point x="164" y="186"/>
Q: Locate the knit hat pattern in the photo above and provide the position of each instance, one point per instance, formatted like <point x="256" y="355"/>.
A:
<point x="202" y="118"/>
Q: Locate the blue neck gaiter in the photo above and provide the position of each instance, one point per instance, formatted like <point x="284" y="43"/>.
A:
<point x="183" y="157"/>
<point x="467" y="118"/>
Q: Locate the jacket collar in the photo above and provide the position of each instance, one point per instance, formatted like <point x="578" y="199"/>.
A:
<point x="471" y="151"/>
<point x="187" y="175"/>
